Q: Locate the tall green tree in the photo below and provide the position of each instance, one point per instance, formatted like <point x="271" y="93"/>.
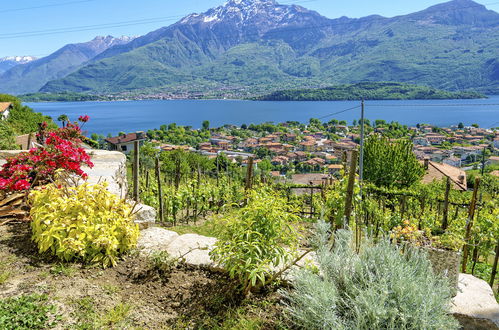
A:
<point x="64" y="119"/>
<point x="7" y="137"/>
<point x="390" y="163"/>
<point x="206" y="125"/>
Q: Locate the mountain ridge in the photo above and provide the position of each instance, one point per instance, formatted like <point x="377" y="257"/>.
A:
<point x="33" y="75"/>
<point x="251" y="47"/>
<point x="9" y="62"/>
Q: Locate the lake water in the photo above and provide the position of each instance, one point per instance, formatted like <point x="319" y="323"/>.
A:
<point x="131" y="116"/>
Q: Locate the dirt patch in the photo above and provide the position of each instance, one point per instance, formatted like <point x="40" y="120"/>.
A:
<point x="134" y="294"/>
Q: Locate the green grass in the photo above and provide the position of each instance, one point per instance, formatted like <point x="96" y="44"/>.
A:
<point x="207" y="228"/>
<point x="87" y="316"/>
<point x="63" y="269"/>
<point x="111" y="289"/>
<point x="4" y="276"/>
<point x="27" y="312"/>
<point x="5" y="269"/>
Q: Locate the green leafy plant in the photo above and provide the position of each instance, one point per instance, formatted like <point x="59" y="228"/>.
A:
<point x="390" y="163"/>
<point x="162" y="262"/>
<point x="26" y="312"/>
<point x="256" y="239"/>
<point x="381" y="287"/>
<point x="84" y="223"/>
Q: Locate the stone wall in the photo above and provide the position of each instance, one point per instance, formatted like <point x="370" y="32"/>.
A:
<point x="446" y="263"/>
<point x="109" y="166"/>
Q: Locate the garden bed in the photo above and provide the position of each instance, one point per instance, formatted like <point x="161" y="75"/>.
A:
<point x="132" y="294"/>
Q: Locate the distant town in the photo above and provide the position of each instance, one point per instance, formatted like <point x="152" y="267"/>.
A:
<point x="294" y="148"/>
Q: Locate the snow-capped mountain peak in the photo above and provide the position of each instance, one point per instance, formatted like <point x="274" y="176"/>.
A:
<point x="18" y="59"/>
<point x="259" y="15"/>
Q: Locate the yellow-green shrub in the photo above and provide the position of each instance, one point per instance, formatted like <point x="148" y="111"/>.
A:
<point x="85" y="223"/>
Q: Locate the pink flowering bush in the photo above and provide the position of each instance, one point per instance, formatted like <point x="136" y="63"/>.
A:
<point x="38" y="166"/>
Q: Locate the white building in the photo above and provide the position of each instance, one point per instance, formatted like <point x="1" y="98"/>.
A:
<point x="5" y="108"/>
<point x="125" y="142"/>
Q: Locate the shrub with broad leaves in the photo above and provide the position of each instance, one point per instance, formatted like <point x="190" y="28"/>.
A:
<point x="84" y="223"/>
<point x="257" y="240"/>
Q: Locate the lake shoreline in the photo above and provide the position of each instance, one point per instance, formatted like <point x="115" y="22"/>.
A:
<point x="254" y="100"/>
<point x="131" y="116"/>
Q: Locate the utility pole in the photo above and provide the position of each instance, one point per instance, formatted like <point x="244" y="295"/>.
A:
<point x="483" y="161"/>
<point x="136" y="162"/>
<point x="361" y="161"/>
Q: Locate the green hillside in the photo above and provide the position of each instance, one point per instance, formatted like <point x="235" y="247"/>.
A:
<point x="368" y="91"/>
<point x="452" y="46"/>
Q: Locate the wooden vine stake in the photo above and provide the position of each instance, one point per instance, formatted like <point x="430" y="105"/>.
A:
<point x="136" y="151"/>
<point x="350" y="186"/>
<point x="494" y="267"/>
<point x="445" y="219"/>
<point x="160" y="192"/>
<point x="249" y="174"/>
<point x="469" y="225"/>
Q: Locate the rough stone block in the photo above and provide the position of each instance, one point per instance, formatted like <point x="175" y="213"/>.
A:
<point x="193" y="248"/>
<point x="155" y="239"/>
<point x="145" y="216"/>
<point x="474" y="306"/>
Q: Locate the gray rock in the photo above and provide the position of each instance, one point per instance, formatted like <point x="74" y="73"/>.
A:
<point x="155" y="239"/>
<point x="194" y="249"/>
<point x="145" y="216"/>
<point x="474" y="306"/>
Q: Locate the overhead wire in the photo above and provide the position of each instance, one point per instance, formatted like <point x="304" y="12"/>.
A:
<point x="338" y="112"/>
<point x="171" y="18"/>
<point x="45" y="6"/>
<point x="436" y="105"/>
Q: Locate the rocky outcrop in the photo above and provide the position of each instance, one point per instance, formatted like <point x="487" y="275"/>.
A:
<point x="474" y="305"/>
<point x="194" y="249"/>
<point x="155" y="239"/>
<point x="145" y="215"/>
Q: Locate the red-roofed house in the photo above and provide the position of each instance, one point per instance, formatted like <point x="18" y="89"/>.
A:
<point x="125" y="142"/>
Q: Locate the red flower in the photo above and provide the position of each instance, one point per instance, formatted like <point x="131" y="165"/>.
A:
<point x="21" y="185"/>
<point x="84" y="119"/>
<point x="61" y="151"/>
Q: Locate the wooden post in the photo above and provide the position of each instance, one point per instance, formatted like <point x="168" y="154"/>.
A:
<point x="177" y="172"/>
<point x="344" y="161"/>
<point x="445" y="219"/>
<point x="311" y="199"/>
<point x="30" y="138"/>
<point x="218" y="170"/>
<point x="40" y="138"/>
<point x="494" y="267"/>
<point x="136" y="151"/>
<point x="351" y="182"/>
<point x="249" y="174"/>
<point x="469" y="225"/>
<point x="160" y="192"/>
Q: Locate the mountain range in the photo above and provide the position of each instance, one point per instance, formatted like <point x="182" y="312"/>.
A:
<point x="11" y="61"/>
<point x="247" y="47"/>
<point x="32" y="75"/>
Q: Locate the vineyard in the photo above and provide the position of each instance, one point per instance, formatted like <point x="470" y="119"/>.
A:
<point x="235" y="246"/>
<point x="195" y="189"/>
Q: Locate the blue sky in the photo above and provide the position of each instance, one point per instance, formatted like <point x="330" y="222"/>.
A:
<point x="147" y="15"/>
